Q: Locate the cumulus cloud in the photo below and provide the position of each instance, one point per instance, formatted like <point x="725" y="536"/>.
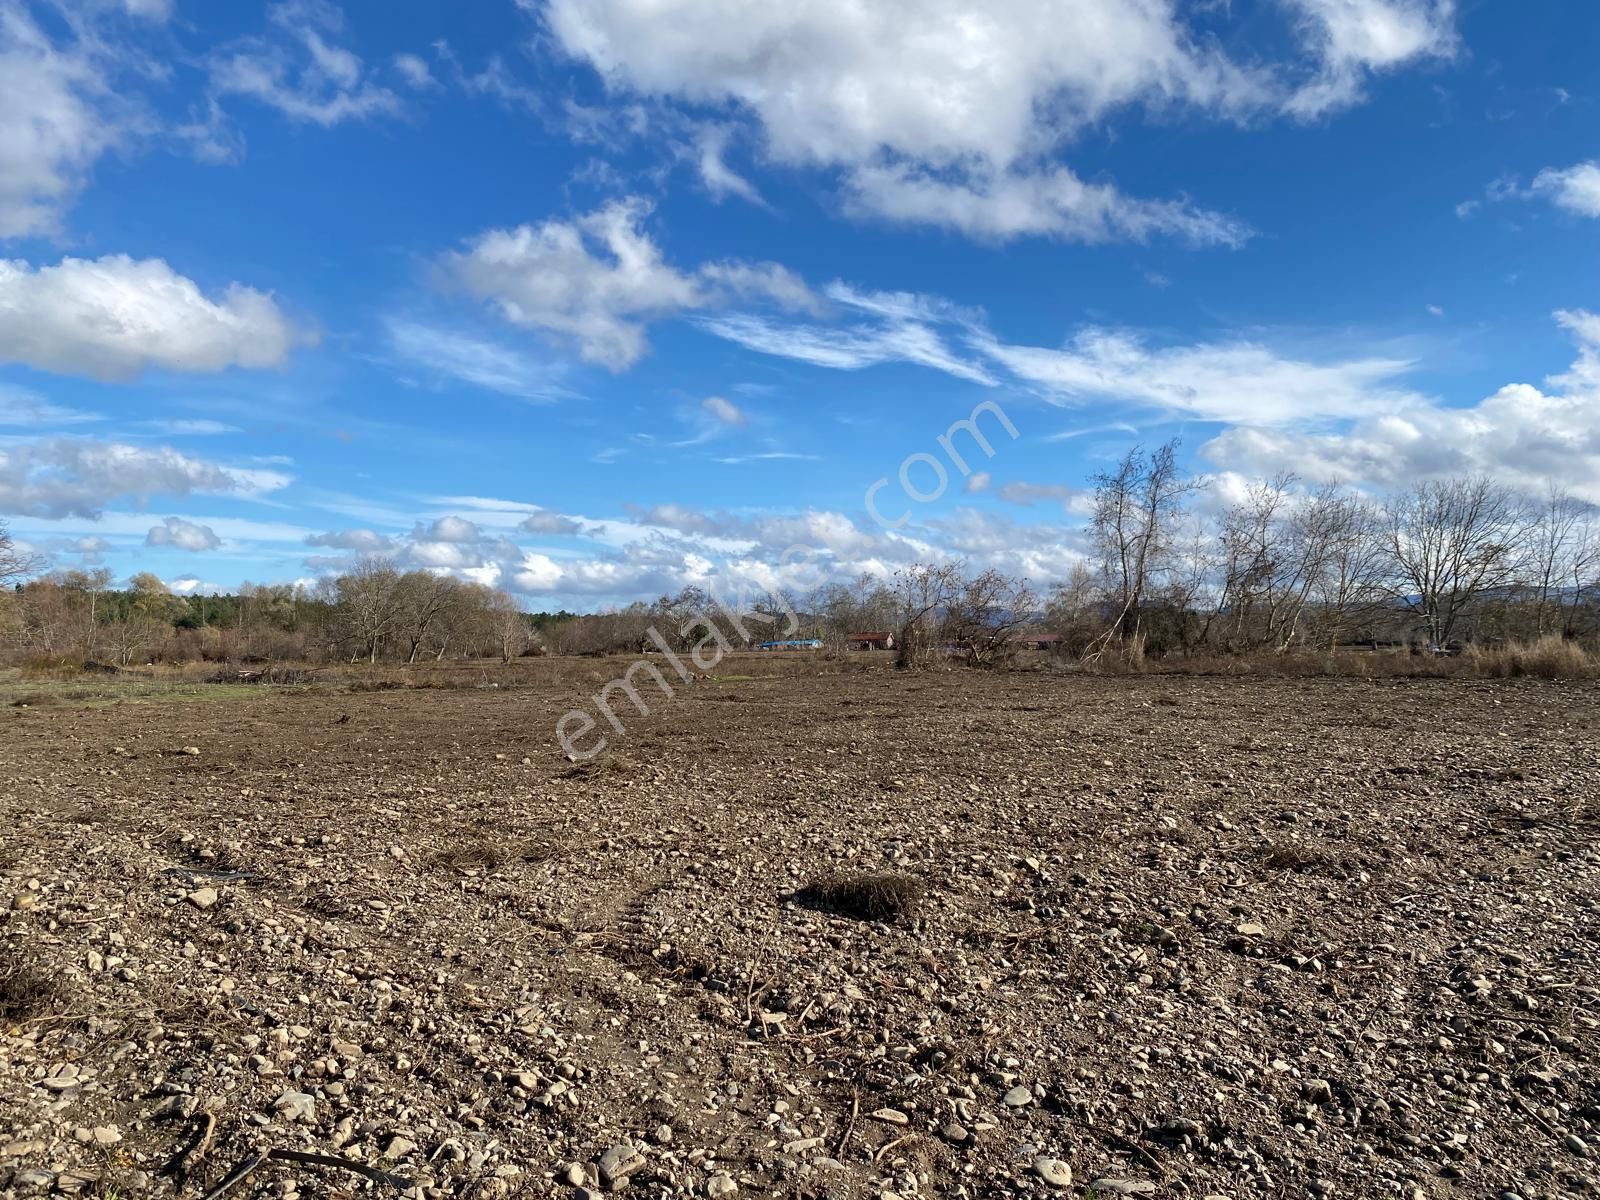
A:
<point x="549" y="522"/>
<point x="600" y="279"/>
<point x="447" y="529"/>
<point x="1575" y="189"/>
<point x="1523" y="434"/>
<point x="183" y="535"/>
<point x="112" y="318"/>
<point x="989" y="82"/>
<point x="60" y="116"/>
<point x="300" y="69"/>
<point x="1354" y="38"/>
<point x="60" y="477"/>
<point x="957" y="127"/>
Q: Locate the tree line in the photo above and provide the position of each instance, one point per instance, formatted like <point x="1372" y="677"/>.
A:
<point x="373" y="612"/>
<point x="1167" y="567"/>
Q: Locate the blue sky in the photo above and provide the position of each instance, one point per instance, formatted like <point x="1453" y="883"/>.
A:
<point x="592" y="299"/>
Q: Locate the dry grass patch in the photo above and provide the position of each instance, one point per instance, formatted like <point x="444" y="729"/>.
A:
<point x="26" y="989"/>
<point x="484" y="855"/>
<point x="864" y="895"/>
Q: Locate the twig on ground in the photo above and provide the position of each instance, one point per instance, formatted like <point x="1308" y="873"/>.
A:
<point x="249" y="1165"/>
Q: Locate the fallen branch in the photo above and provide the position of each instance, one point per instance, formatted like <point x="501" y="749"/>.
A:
<point x="249" y="1165"/>
<point x="185" y="1163"/>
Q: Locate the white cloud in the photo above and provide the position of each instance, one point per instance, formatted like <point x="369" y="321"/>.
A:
<point x="721" y="180"/>
<point x="1522" y="434"/>
<point x="553" y="523"/>
<point x="995" y="82"/>
<point x="59" y="117"/>
<point x="362" y="541"/>
<point x="189" y="427"/>
<point x="446" y="353"/>
<point x="957" y="125"/>
<point x="22" y="408"/>
<point x="901" y="328"/>
<point x="724" y="410"/>
<point x="193" y="585"/>
<point x="978" y="481"/>
<point x="1575" y="189"/>
<point x="1050" y="202"/>
<point x="1028" y="494"/>
<point x="111" y="318"/>
<point x="319" y="82"/>
<point x="183" y="535"/>
<point x="61" y="477"/>
<point x="1237" y="381"/>
<point x="1353" y="38"/>
<point x="415" y="72"/>
<point x="600" y="279"/>
<point x="447" y="529"/>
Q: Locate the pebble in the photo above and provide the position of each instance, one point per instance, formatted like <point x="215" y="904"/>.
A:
<point x="618" y="1163"/>
<point x="1317" y="1091"/>
<point x="955" y="1134"/>
<point x="721" y="1184"/>
<point x="1123" y="1187"/>
<point x="1018" y="1097"/>
<point x="890" y="1116"/>
<point x="296" y="1106"/>
<point x="202" y="898"/>
<point x="1577" y="1145"/>
<point x="1053" y="1171"/>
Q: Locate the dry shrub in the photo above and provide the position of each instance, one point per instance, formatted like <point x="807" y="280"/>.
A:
<point x="25" y="989"/>
<point x="864" y="895"/>
<point x="52" y="666"/>
<point x="484" y="855"/>
<point x="1550" y="657"/>
<point x="1300" y="858"/>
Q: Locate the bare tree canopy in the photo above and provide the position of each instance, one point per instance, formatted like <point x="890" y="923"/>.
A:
<point x="15" y="563"/>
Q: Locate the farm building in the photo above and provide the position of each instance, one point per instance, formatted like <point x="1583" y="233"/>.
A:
<point x="871" y="640"/>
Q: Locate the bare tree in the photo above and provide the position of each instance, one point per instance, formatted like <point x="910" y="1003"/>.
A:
<point x="985" y="616"/>
<point x="370" y="605"/>
<point x="1564" y="553"/>
<point x="426" y="602"/>
<point x="1451" y="542"/>
<point x="1281" y="551"/>
<point x="1350" y="589"/>
<point x="1137" y="507"/>
<point x="508" y="626"/>
<point x="15" y="563"/>
<point x="923" y="591"/>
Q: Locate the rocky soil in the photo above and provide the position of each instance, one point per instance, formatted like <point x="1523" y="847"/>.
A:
<point x="1175" y="937"/>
